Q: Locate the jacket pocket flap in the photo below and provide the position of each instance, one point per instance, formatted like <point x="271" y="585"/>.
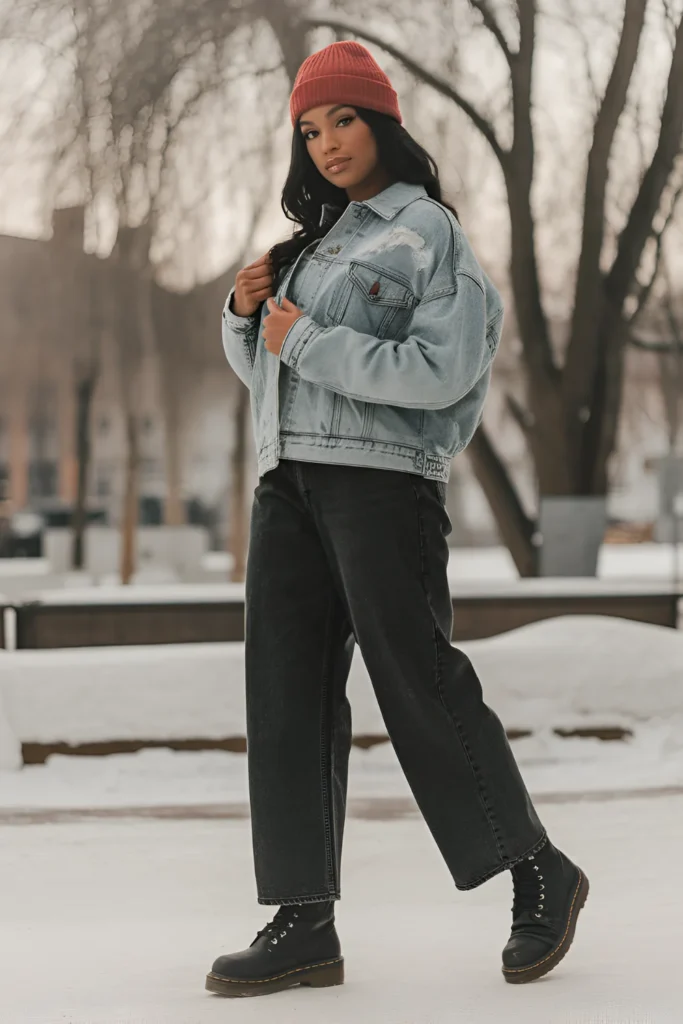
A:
<point x="378" y="287"/>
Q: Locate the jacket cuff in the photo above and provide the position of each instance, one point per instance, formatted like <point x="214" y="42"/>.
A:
<point x="297" y="337"/>
<point x="237" y="323"/>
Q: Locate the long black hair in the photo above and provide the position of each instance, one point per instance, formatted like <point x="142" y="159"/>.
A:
<point x="306" y="190"/>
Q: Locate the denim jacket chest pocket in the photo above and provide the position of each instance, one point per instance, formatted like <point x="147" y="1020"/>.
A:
<point x="372" y="300"/>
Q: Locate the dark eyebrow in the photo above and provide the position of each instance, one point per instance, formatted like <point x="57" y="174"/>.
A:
<point x="330" y="112"/>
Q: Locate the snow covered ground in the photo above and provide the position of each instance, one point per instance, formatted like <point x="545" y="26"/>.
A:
<point x="114" y="916"/>
<point x="117" y="923"/>
<point x="576" y="672"/>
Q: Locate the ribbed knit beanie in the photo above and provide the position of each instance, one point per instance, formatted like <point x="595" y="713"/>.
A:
<point x="343" y="72"/>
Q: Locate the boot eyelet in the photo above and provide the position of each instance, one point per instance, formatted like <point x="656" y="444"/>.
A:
<point x="540" y="878"/>
<point x="274" y="941"/>
<point x="541" y="897"/>
<point x="282" y="934"/>
<point x="540" y="907"/>
<point x="542" y="887"/>
<point x="537" y="915"/>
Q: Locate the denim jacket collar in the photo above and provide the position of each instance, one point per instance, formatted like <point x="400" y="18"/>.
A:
<point x="395" y="198"/>
<point x="386" y="204"/>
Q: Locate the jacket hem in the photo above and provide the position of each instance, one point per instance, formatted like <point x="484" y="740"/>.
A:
<point x="355" y="451"/>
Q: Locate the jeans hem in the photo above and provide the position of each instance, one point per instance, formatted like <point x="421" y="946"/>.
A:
<point x="290" y="901"/>
<point x="505" y="866"/>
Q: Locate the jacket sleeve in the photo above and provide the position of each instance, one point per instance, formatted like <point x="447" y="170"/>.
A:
<point x="449" y="345"/>
<point x="240" y="337"/>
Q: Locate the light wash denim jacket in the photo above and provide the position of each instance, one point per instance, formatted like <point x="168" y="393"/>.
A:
<point x="390" y="364"/>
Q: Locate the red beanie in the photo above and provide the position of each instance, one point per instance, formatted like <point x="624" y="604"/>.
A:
<point x="344" y="72"/>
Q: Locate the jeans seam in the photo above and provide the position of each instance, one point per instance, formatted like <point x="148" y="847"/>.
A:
<point x="325" y="763"/>
<point x="481" y="789"/>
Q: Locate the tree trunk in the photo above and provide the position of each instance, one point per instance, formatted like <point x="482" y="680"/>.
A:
<point x="130" y="505"/>
<point x="85" y="389"/>
<point x="285" y="21"/>
<point x="514" y="525"/>
<point x="174" y="512"/>
<point x="238" y="477"/>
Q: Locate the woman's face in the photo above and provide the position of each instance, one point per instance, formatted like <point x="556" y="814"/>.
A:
<point x="341" y="146"/>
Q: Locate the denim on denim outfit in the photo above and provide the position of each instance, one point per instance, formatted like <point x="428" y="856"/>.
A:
<point x="378" y="385"/>
<point x="391" y="363"/>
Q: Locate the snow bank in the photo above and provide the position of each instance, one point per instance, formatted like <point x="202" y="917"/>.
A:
<point x="568" y="672"/>
<point x="582" y="670"/>
<point x="10" y="745"/>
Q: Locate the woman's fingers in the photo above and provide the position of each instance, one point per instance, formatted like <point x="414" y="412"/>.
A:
<point x="260" y="281"/>
<point x="262" y="295"/>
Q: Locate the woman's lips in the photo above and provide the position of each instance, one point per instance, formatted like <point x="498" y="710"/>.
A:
<point x="339" y="165"/>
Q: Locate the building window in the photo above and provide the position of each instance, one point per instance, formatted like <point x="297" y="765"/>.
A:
<point x="104" y="476"/>
<point x="4" y="481"/>
<point x="103" y="485"/>
<point x="43" y="478"/>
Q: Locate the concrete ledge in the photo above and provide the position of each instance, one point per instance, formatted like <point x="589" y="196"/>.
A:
<point x="215" y="615"/>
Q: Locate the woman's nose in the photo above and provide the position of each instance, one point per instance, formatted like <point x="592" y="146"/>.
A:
<point x="330" y="144"/>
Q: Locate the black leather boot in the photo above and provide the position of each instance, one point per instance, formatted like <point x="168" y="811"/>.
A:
<point x="549" y="893"/>
<point x="300" y="946"/>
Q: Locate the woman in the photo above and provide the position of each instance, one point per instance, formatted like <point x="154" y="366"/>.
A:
<point x="367" y="340"/>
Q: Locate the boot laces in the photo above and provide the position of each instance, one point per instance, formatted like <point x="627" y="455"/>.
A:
<point x="279" y="927"/>
<point x="529" y="889"/>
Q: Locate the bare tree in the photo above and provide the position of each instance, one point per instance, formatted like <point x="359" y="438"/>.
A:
<point x="571" y="415"/>
<point x="130" y="126"/>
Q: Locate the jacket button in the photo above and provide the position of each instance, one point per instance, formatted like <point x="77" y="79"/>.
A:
<point x="375" y="289"/>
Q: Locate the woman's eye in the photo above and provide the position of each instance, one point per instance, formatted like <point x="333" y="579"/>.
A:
<point x="347" y="118"/>
<point x="307" y="135"/>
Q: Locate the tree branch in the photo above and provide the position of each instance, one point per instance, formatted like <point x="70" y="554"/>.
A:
<point x="533" y="325"/>
<point x="582" y="353"/>
<point x="439" y="84"/>
<point x="489" y="20"/>
<point x="635" y="234"/>
<point x="514" y="525"/>
<point x="646" y="289"/>
<point x="661" y="348"/>
<point x="522" y="418"/>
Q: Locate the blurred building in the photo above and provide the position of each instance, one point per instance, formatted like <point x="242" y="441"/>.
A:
<point x="59" y="321"/>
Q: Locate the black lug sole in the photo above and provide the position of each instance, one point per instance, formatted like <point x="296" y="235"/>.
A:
<point x="323" y="975"/>
<point x="522" y="975"/>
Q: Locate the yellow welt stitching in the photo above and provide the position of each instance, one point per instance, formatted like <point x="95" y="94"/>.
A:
<point x="263" y="981"/>
<point x="531" y="967"/>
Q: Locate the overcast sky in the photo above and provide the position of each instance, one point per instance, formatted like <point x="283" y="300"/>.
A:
<point x="563" y="105"/>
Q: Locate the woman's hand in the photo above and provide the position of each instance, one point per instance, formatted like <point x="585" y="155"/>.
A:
<point x="278" y="322"/>
<point x="253" y="285"/>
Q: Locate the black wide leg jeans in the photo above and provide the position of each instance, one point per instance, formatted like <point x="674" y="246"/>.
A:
<point x="340" y="555"/>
